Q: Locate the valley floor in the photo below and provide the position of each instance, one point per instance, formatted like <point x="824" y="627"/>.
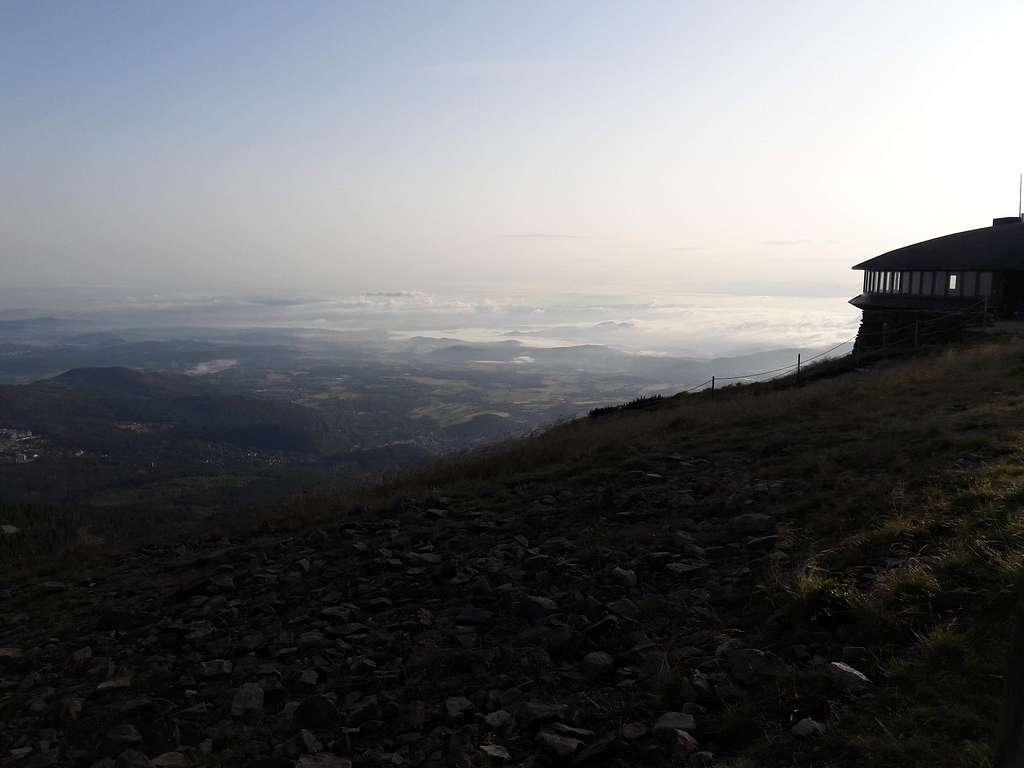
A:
<point x="815" y="575"/>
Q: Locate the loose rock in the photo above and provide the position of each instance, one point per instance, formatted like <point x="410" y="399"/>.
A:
<point x="752" y="523"/>
<point x="248" y="702"/>
<point x="624" y="576"/>
<point x="323" y="760"/>
<point x="634" y="731"/>
<point x="847" y="677"/>
<point x="316" y="713"/>
<point x="496" y="752"/>
<point x="598" y="664"/>
<point x="120" y="737"/>
<point x="456" y="707"/>
<point x="807" y="727"/>
<point x="672" y="721"/>
<point x="560" y="747"/>
<point x="132" y="759"/>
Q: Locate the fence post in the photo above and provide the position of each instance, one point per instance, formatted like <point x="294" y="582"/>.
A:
<point x="798" y="365"/>
<point x="712" y="385"/>
<point x="916" y="327"/>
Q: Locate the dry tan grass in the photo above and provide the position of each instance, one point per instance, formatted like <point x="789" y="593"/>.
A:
<point x="912" y="579"/>
<point x="943" y="645"/>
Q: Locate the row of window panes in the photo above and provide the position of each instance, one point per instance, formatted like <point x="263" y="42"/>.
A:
<point x="929" y="283"/>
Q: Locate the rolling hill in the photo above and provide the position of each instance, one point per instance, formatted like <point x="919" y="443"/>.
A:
<point x="89" y="407"/>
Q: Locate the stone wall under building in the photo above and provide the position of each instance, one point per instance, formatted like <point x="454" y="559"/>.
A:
<point x="881" y="328"/>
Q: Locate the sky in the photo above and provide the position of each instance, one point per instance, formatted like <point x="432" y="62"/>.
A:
<point x="330" y="148"/>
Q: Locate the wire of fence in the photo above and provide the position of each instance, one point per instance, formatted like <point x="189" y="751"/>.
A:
<point x="893" y="333"/>
<point x="833" y="349"/>
<point x="755" y="375"/>
<point x="696" y="387"/>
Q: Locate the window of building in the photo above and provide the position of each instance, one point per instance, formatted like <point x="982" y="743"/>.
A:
<point x="951" y="284"/>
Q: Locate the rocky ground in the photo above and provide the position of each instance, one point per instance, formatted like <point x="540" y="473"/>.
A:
<point x="608" y="622"/>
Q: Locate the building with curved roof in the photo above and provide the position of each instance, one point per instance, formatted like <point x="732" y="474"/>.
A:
<point x="979" y="267"/>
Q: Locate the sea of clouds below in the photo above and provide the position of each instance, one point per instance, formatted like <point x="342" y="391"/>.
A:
<point x="701" y="325"/>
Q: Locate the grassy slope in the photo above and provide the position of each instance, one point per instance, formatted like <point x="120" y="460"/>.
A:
<point x="906" y="539"/>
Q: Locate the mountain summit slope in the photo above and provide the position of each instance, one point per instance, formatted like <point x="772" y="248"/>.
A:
<point x="771" y="575"/>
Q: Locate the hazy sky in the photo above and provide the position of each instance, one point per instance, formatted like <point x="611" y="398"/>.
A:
<point x="338" y="147"/>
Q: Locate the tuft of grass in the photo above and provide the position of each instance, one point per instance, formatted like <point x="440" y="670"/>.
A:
<point x="909" y="583"/>
<point x="874" y="621"/>
<point x="817" y="597"/>
<point x="890" y="537"/>
<point x="968" y="564"/>
<point x="667" y="684"/>
<point x="943" y="647"/>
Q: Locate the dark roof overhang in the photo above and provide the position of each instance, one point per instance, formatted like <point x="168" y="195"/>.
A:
<point x="904" y="301"/>
<point x="996" y="248"/>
